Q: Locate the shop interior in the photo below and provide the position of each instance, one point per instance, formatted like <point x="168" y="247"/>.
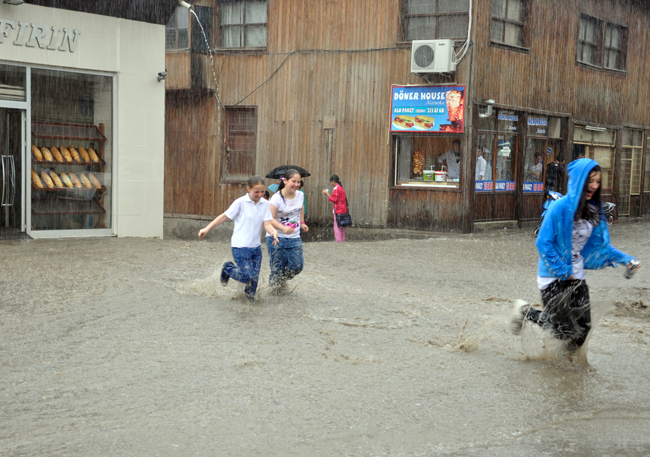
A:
<point x="423" y="160"/>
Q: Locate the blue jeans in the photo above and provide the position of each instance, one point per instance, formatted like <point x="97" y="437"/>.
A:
<point x="247" y="270"/>
<point x="286" y="260"/>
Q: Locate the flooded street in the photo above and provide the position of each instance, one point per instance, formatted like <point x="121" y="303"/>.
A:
<point x="388" y="348"/>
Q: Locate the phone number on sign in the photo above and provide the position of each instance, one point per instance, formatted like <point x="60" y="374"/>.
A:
<point x="505" y="185"/>
<point x="533" y="187"/>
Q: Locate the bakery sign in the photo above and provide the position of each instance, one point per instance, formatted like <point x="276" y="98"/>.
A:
<point x="429" y="109"/>
<point x="33" y="35"/>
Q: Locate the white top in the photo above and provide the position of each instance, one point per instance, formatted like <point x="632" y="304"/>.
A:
<point x="536" y="168"/>
<point x="453" y="163"/>
<point x="249" y="219"/>
<point x="288" y="213"/>
<point x="480" y="168"/>
<point x="581" y="232"/>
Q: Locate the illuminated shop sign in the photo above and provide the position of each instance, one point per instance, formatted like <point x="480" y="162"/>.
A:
<point x="32" y="35"/>
<point x="427" y="109"/>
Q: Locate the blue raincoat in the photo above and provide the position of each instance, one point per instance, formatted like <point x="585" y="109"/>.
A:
<point x="555" y="234"/>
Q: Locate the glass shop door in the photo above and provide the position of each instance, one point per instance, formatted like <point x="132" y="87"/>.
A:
<point x="12" y="172"/>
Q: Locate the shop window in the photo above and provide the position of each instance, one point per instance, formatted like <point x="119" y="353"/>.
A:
<point x="509" y="22"/>
<point x="177" y="30"/>
<point x="202" y="35"/>
<point x="72" y="161"/>
<point x="243" y="24"/>
<point x="433" y="19"/>
<point x="12" y="83"/>
<point x="241" y="144"/>
<point x="543" y="148"/>
<point x="597" y="143"/>
<point x="428" y="161"/>
<point x="646" y="173"/>
<point x="499" y="150"/>
<point x="601" y="44"/>
<point x="631" y="156"/>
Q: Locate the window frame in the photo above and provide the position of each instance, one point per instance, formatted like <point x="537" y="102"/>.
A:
<point x="590" y="145"/>
<point x="243" y="24"/>
<point x="405" y="17"/>
<point x="601" y="49"/>
<point x="229" y="140"/>
<point x="524" y="26"/>
<point x="176" y="29"/>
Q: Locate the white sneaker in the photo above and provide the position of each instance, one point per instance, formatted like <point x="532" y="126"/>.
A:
<point x="519" y="311"/>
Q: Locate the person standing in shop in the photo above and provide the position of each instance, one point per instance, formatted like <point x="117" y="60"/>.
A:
<point x="452" y="159"/>
<point x="481" y="165"/>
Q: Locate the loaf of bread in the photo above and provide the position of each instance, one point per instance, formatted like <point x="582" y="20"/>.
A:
<point x="56" y="179"/>
<point x="37" y="153"/>
<point x="94" y="181"/>
<point x="36" y="180"/>
<point x="47" y="156"/>
<point x="47" y="180"/>
<point x="66" y="154"/>
<point x="74" y="179"/>
<point x="93" y="155"/>
<point x="84" y="154"/>
<point x="57" y="154"/>
<point x="85" y="181"/>
<point x="74" y="154"/>
<point x="66" y="180"/>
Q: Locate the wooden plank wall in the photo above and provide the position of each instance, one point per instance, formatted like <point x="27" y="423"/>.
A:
<point x="548" y="78"/>
<point x="339" y="58"/>
<point x="333" y="58"/>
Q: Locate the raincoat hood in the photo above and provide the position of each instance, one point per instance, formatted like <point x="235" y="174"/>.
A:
<point x="554" y="242"/>
<point x="578" y="173"/>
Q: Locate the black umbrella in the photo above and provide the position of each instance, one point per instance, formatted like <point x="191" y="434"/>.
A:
<point x="280" y="171"/>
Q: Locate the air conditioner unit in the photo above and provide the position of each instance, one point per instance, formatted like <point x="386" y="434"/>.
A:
<point x="432" y="56"/>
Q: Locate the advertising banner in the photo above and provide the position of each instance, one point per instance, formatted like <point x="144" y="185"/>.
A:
<point x="428" y="109"/>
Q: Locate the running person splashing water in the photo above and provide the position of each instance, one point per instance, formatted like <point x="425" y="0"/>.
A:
<point x="573" y="238"/>
<point x="287" y="208"/>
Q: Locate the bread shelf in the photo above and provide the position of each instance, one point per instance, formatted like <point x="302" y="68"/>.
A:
<point x="55" y="162"/>
<point x="42" y="207"/>
<point x="69" y="190"/>
<point x="68" y="201"/>
<point x="75" y="132"/>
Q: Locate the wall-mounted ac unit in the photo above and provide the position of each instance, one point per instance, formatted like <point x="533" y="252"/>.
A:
<point x="432" y="56"/>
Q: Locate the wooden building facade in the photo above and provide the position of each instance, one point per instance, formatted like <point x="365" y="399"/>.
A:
<point x="265" y="83"/>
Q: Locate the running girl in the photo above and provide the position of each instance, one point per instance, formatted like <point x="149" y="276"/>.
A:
<point x="573" y="238"/>
<point x="286" y="257"/>
<point x="249" y="213"/>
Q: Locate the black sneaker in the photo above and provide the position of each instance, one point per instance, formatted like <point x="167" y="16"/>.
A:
<point x="519" y="311"/>
<point x="223" y="276"/>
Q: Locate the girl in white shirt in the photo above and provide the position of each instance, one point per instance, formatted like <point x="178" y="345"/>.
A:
<point x="287" y="209"/>
<point x="249" y="213"/>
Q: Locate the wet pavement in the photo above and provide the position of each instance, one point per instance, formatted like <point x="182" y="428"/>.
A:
<point x="388" y="348"/>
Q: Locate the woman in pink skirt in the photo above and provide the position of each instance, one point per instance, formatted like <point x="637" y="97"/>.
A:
<point x="339" y="199"/>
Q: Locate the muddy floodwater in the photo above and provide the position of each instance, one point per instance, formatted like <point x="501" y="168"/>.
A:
<point x="131" y="347"/>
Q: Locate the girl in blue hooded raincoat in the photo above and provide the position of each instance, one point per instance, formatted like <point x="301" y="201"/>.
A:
<point x="573" y="238"/>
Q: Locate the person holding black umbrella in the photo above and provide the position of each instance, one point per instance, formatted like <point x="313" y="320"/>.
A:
<point x="286" y="257"/>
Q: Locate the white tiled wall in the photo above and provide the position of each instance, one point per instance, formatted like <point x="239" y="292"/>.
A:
<point x="135" y="53"/>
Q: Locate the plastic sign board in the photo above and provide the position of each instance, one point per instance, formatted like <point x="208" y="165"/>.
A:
<point x="427" y="109"/>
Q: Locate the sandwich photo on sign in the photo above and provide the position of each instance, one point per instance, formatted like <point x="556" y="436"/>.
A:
<point x="424" y="122"/>
<point x="403" y="122"/>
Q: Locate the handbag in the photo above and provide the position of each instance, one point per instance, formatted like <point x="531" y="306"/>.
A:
<point x="343" y="220"/>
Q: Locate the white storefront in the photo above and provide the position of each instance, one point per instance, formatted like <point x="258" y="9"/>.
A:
<point x="82" y="115"/>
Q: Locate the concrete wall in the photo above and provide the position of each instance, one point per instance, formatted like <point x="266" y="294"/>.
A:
<point x="135" y="53"/>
